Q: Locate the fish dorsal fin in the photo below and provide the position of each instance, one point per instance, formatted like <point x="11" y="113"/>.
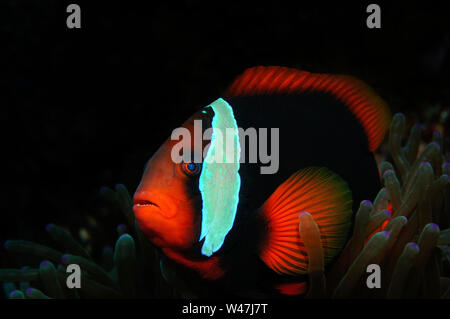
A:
<point x="370" y="110"/>
<point x="321" y="193"/>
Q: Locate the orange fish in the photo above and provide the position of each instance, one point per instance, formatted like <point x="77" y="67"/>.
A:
<point x="235" y="222"/>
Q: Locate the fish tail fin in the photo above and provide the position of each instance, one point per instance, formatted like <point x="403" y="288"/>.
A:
<point x="321" y="193"/>
<point x="370" y="110"/>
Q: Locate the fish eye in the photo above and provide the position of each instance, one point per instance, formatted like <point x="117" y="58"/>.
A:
<point x="191" y="169"/>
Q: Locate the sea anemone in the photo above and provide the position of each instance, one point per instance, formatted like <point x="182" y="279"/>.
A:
<point x="115" y="276"/>
<point x="400" y="231"/>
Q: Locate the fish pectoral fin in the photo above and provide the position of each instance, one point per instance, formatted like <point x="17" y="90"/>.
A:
<point x="321" y="193"/>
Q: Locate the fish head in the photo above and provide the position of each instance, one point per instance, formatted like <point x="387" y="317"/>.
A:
<point x="168" y="202"/>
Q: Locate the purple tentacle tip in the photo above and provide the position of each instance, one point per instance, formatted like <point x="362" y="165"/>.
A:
<point x="437" y="144"/>
<point x="29" y="291"/>
<point x="413" y="245"/>
<point x="386" y="233"/>
<point x="435" y="226"/>
<point x="5" y="245"/>
<point x="367" y="202"/>
<point x="418" y="125"/>
<point x="64" y="259"/>
<point x="48" y="226"/>
<point x="45" y="263"/>
<point x="447" y="163"/>
<point x="302" y="213"/>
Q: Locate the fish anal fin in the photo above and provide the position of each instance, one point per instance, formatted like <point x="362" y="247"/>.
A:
<point x="321" y="193"/>
<point x="292" y="288"/>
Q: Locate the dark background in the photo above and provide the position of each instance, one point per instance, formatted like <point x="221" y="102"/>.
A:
<point x="85" y="108"/>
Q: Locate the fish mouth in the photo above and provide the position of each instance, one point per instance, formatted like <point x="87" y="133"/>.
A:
<point x="144" y="202"/>
<point x="143" y="199"/>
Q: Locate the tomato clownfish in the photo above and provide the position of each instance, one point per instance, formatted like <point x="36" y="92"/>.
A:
<point x="229" y="223"/>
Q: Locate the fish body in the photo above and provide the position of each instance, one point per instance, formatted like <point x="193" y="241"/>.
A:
<point x="231" y="224"/>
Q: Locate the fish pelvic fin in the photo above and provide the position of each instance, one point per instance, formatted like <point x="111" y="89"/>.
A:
<point x="315" y="190"/>
<point x="370" y="110"/>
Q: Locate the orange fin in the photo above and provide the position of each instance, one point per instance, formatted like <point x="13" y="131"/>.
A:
<point x="292" y="289"/>
<point x="321" y="193"/>
<point x="370" y="110"/>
